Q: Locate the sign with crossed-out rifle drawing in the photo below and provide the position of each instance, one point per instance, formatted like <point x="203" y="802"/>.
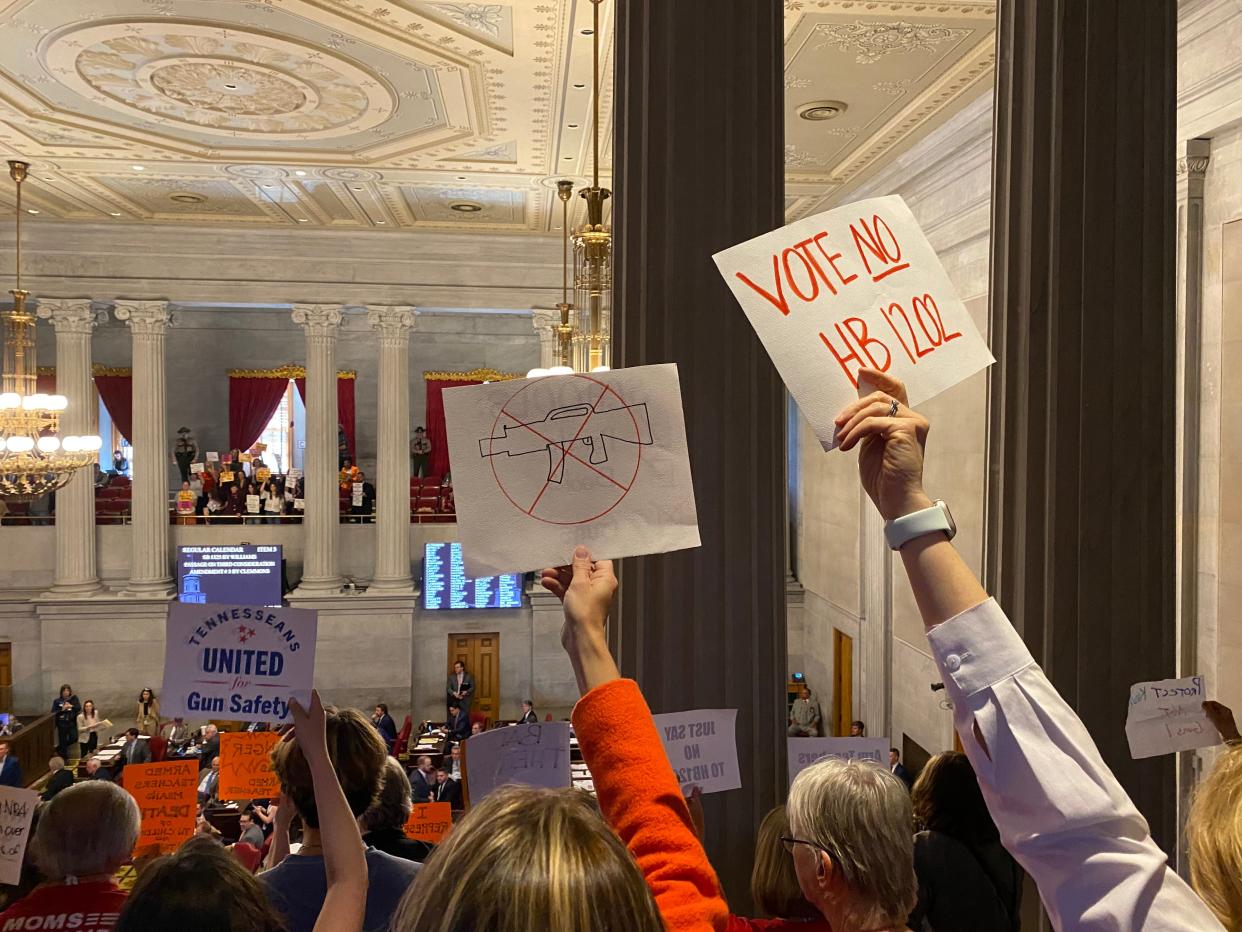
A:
<point x="540" y="465"/>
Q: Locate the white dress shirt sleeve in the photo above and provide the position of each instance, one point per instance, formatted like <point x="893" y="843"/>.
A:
<point x="1060" y="811"/>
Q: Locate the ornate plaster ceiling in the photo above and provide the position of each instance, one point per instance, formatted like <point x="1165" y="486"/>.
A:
<point x="397" y="114"/>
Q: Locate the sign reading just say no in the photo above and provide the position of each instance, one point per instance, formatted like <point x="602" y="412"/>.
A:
<point x="855" y="287"/>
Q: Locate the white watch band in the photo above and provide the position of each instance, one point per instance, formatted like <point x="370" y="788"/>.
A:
<point x="937" y="518"/>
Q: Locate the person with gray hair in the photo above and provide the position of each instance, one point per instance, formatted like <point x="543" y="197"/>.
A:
<point x="61" y="778"/>
<point x="84" y="836"/>
<point x="852" y="846"/>
<point x="383" y="825"/>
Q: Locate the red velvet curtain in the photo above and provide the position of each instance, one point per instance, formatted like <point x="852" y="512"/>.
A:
<point x="252" y="402"/>
<point x="436" y="431"/>
<point x="117" y="394"/>
<point x="345" y="413"/>
<point x="46" y="382"/>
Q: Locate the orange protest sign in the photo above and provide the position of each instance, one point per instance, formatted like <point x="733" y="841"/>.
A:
<point x="429" y="822"/>
<point x="246" y="765"/>
<point x="166" y="797"/>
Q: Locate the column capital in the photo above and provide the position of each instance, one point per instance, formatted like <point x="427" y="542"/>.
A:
<point x="318" y="319"/>
<point x="392" y="322"/>
<point x="145" y="318"/>
<point x="541" y="318"/>
<point x="71" y="315"/>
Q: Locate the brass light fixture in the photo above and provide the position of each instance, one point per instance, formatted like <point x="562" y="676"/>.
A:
<point x="34" y="460"/>
<point x="564" y="331"/>
<point x="593" y="255"/>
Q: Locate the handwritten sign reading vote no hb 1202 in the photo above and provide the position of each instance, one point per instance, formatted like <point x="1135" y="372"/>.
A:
<point x="858" y="286"/>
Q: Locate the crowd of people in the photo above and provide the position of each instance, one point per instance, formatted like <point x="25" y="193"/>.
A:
<point x="854" y="850"/>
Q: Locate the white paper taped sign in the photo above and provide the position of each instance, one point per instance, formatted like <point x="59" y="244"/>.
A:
<point x="529" y="755"/>
<point x="803" y="752"/>
<point x="702" y="748"/>
<point x="858" y="286"/>
<point x="1167" y="716"/>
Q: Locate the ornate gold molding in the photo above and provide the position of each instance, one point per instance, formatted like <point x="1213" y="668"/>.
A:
<point x="45" y="370"/>
<point x="474" y="375"/>
<point x="284" y="372"/>
<point x="99" y="369"/>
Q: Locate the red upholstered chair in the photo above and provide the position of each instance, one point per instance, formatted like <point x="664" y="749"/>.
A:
<point x="248" y="855"/>
<point x="479" y="718"/>
<point x="402" y="744"/>
<point x="158" y="747"/>
<point x="548" y="717"/>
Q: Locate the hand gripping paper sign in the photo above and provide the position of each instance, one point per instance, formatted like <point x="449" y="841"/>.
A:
<point x="526" y="755"/>
<point x="246" y="765"/>
<point x="541" y="465"/>
<point x="167" y="798"/>
<point x="1167" y="716"/>
<point x="239" y="662"/>
<point x="855" y="287"/>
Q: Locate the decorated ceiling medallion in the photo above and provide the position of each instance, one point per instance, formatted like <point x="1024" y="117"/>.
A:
<point x="221" y="81"/>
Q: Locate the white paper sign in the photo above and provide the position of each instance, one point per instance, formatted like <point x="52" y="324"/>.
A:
<point x="1167" y="716"/>
<point x="852" y="287"/>
<point x="213" y="457"/>
<point x="295" y="474"/>
<point x="803" y="752"/>
<point x="299" y="504"/>
<point x="252" y="504"/>
<point x="196" y="469"/>
<point x="530" y="755"/>
<point x="237" y="662"/>
<point x="17" y="808"/>
<point x="702" y="747"/>
<point x="541" y="465"/>
<point x="356" y="497"/>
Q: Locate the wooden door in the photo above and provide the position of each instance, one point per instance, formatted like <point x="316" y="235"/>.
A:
<point x="842" y="682"/>
<point x="481" y="655"/>
<point x="6" y="677"/>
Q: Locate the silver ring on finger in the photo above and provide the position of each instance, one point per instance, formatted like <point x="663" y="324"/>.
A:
<point x="892" y="409"/>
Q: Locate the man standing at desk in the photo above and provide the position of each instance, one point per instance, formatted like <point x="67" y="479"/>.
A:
<point x="10" y="767"/>
<point x="134" y="751"/>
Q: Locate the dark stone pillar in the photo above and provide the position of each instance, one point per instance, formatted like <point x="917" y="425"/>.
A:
<point x="699" y="167"/>
<point x="1080" y="545"/>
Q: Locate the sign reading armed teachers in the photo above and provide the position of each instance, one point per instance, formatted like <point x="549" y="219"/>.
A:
<point x="239" y="662"/>
<point x="855" y="287"/>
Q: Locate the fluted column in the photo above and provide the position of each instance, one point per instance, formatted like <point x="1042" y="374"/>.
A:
<point x="321" y="323"/>
<point x="74" y="319"/>
<point x="392" y="491"/>
<point x="876" y="647"/>
<point x="543" y="321"/>
<point x="149" y="570"/>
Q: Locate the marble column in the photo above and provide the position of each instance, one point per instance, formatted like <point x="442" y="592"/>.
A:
<point x="543" y="321"/>
<point x="320" y="573"/>
<point x="149" y="575"/>
<point x="392" y="492"/>
<point x="74" y="319"/>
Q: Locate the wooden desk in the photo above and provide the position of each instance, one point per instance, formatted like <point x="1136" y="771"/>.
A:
<point x="33" y="745"/>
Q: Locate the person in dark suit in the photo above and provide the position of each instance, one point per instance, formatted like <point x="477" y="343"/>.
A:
<point x="460" y="687"/>
<point x="60" y="779"/>
<point x="384" y="724"/>
<point x="10" y="767"/>
<point x="898" y="768"/>
<point x="65" y="707"/>
<point x="211" y="747"/>
<point x="447" y="789"/>
<point x="422" y="781"/>
<point x="528" y="713"/>
<point x="458" y="724"/>
<point x="134" y="751"/>
<point x="96" y="772"/>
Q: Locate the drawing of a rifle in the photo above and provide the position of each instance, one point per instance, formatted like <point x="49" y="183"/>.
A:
<point x="559" y="430"/>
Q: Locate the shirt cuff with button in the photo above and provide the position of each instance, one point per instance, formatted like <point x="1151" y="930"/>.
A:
<point x="1060" y="811"/>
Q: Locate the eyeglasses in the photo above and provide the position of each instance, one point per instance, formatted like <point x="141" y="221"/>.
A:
<point x="790" y="842"/>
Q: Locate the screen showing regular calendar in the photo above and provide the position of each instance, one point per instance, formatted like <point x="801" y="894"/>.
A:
<point x="446" y="585"/>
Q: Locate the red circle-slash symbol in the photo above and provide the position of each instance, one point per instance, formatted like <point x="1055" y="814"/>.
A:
<point x="526" y="479"/>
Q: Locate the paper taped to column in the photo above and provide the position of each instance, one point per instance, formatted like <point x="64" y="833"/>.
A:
<point x="858" y="286"/>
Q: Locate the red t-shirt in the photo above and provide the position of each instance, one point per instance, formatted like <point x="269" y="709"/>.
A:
<point x="80" y="907"/>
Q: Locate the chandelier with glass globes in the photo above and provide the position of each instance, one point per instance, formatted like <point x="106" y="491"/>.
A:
<point x="34" y="458"/>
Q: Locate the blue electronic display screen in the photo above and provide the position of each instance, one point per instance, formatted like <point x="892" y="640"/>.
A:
<point x="240" y="574"/>
<point x="446" y="585"/>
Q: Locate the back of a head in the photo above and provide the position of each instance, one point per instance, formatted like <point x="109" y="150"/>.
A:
<point x="946" y="798"/>
<point x="860" y="813"/>
<point x="200" y="888"/>
<point x="1214" y="833"/>
<point x="357" y="753"/>
<point x="90" y="828"/>
<point x="773" y="881"/>
<point x="392" y="806"/>
<point x="527" y="859"/>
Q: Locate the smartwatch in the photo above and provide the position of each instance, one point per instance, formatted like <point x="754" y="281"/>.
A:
<point x="936" y="519"/>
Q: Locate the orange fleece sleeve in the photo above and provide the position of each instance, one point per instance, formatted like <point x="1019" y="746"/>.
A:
<point x="641" y="799"/>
